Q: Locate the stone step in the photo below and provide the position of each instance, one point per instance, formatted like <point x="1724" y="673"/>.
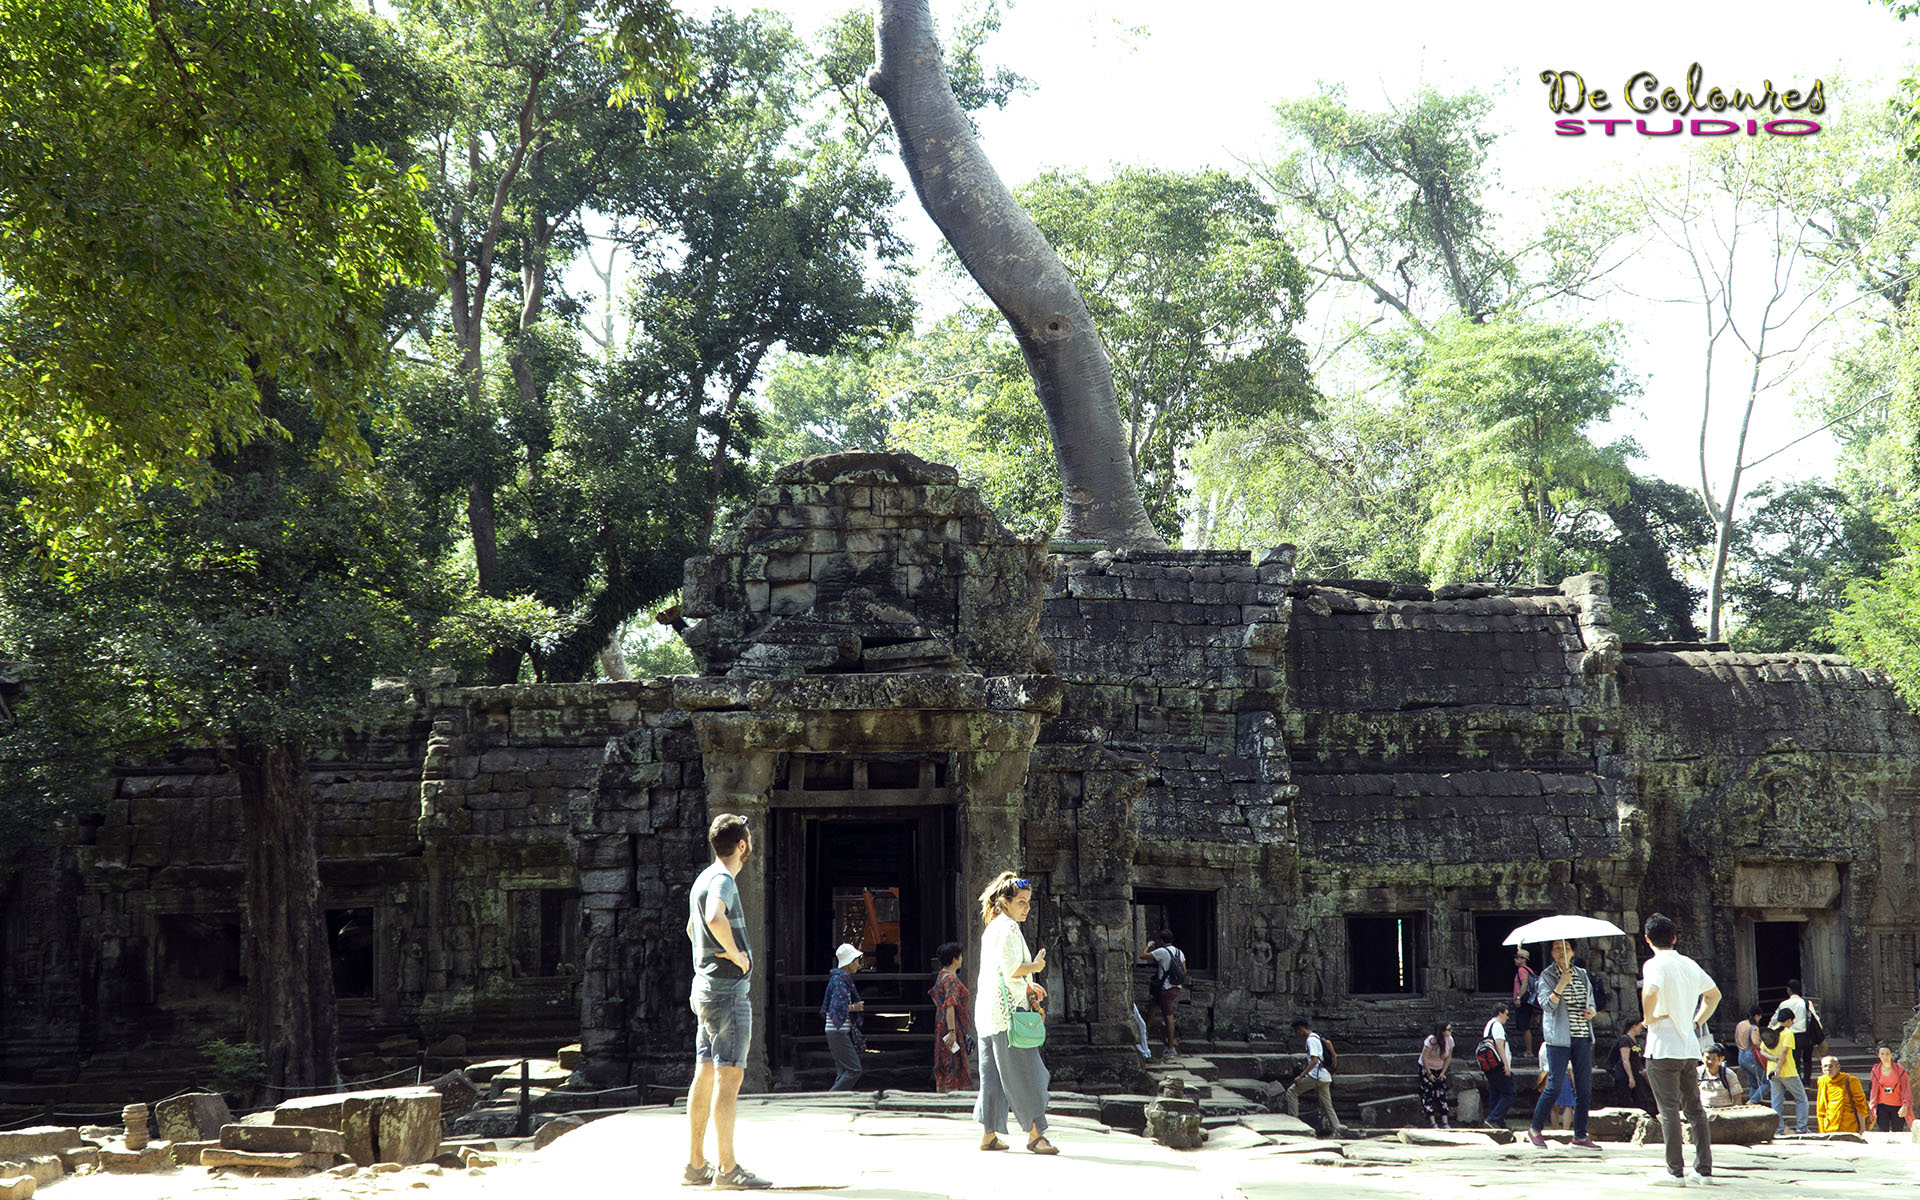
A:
<point x="283" y="1139"/>
<point x="275" y="1162"/>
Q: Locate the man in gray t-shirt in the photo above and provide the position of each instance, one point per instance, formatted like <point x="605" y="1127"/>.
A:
<point x="722" y="962"/>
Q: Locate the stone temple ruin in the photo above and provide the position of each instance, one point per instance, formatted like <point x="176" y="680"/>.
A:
<point x="1339" y="794"/>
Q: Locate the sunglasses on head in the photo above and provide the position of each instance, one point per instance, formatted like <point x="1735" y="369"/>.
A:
<point x="1022" y="885"/>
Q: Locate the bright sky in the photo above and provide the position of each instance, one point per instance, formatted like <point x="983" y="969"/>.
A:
<point x="1179" y="86"/>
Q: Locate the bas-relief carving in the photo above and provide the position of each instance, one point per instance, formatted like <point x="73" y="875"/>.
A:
<point x="1786" y="885"/>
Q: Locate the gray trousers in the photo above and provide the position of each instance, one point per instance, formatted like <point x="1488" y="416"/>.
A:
<point x="846" y="1060"/>
<point x="1011" y="1078"/>
<point x="1673" y="1081"/>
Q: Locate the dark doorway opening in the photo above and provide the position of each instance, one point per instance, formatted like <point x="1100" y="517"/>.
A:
<point x="350" y="943"/>
<point x="1776" y="958"/>
<point x="886" y="882"/>
<point x="1189" y="916"/>
<point x="1387" y="955"/>
<point x="1494" y="959"/>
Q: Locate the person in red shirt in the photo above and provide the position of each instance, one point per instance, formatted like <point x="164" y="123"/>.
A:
<point x="1891" y="1093"/>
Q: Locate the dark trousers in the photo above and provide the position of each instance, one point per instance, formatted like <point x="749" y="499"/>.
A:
<point x="1674" y="1090"/>
<point x="1887" y="1119"/>
<point x="1500" y="1093"/>
<point x="1576" y="1058"/>
<point x="846" y="1060"/>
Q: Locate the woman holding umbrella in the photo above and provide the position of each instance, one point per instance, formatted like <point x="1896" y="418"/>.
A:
<point x="1565" y="996"/>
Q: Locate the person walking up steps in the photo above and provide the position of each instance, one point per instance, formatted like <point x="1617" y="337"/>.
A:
<point x="1676" y="998"/>
<point x="722" y="963"/>
<point x="1783" y="1074"/>
<point x="1317" y="1076"/>
<point x="1169" y="976"/>
<point x="1501" y="1087"/>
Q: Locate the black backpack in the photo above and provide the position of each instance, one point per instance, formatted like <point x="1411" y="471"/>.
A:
<point x="1176" y="973"/>
<point x="1816" y="1032"/>
<point x="1770" y="1036"/>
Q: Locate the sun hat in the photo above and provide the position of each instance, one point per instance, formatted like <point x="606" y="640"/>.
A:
<point x="845" y="954"/>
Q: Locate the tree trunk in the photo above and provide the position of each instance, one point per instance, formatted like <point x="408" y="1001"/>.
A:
<point x="290" y="1011"/>
<point x="1012" y="262"/>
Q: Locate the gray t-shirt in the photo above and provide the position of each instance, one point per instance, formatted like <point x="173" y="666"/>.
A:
<point x="716" y="880"/>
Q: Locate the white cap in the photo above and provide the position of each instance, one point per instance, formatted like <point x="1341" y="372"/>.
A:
<point x="845" y="954"/>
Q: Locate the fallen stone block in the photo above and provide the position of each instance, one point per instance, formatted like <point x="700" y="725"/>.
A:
<point x="39" y="1139"/>
<point x="1613" y="1124"/>
<point x="79" y="1157"/>
<point x="1448" y="1137"/>
<point x="1278" y="1125"/>
<point x="457" y="1093"/>
<point x="45" y="1168"/>
<point x="150" y="1159"/>
<point x="186" y="1154"/>
<point x="17" y="1187"/>
<point x="395" y="1125"/>
<point x="1392" y="1112"/>
<point x="194" y="1117"/>
<point x="283" y="1139"/>
<point x="1124" y="1112"/>
<point x="569" y="1057"/>
<point x="554" y="1129"/>
<point x="275" y="1162"/>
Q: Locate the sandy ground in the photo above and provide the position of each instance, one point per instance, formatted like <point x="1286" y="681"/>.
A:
<point x="867" y="1154"/>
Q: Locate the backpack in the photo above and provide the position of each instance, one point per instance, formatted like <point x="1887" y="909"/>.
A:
<point x="1770" y="1036"/>
<point x="1176" y="973"/>
<point x="1488" y="1055"/>
<point x="1816" y="1032"/>
<point x="1331" y="1061"/>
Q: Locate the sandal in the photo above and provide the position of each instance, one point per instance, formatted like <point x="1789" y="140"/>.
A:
<point x="1041" y="1145"/>
<point x="993" y="1143"/>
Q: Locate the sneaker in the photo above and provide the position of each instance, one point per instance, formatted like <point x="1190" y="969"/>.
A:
<point x="1533" y="1135"/>
<point x="740" y="1180"/>
<point x="699" y="1176"/>
<point x="1694" y="1176"/>
<point x="1660" y="1179"/>
<point x="1493" y="1124"/>
<point x="1586" y="1143"/>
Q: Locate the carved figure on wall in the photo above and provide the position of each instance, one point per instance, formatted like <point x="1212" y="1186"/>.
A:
<point x="1309" y="971"/>
<point x="1261" y="953"/>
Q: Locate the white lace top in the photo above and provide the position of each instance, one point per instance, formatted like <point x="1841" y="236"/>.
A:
<point x="1002" y="950"/>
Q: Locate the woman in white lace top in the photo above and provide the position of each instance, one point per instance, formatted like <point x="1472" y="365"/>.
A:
<point x="1011" y="1077"/>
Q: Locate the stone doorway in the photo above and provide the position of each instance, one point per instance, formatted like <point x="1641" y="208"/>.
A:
<point x="886" y="880"/>
<point x="1776" y="958"/>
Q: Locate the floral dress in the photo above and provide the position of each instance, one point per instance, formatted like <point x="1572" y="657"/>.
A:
<point x="951" y="1072"/>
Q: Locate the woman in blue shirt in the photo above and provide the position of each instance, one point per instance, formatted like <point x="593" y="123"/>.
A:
<point x="841" y="1003"/>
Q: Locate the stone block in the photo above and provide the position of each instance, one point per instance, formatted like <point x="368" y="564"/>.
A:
<point x="569" y="1057"/>
<point x="45" y="1168"/>
<point x="553" y="1130"/>
<point x="457" y="1093"/>
<point x="185" y="1154"/>
<point x="17" y="1187"/>
<point x="196" y="1116"/>
<point x="278" y="1163"/>
<point x="349" y="1114"/>
<point x="151" y="1159"/>
<point x="39" y="1139"/>
<point x="283" y="1139"/>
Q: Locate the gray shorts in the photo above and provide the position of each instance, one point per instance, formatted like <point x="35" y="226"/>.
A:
<point x="726" y="1027"/>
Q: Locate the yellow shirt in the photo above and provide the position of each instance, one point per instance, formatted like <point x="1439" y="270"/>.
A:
<point x="1782" y="1063"/>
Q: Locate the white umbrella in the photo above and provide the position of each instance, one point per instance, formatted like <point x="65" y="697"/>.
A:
<point x="1548" y="929"/>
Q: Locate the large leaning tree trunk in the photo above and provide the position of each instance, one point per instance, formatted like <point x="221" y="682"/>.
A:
<point x="1012" y="262"/>
<point x="290" y="1011"/>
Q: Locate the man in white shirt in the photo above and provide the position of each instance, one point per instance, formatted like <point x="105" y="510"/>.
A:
<point x="1316" y="1076"/>
<point x="1500" y="1084"/>
<point x="1676" y="998"/>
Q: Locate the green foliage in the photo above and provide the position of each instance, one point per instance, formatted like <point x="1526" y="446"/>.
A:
<point x="1346" y="486"/>
<point x="1195" y="291"/>
<point x="1798" y="553"/>
<point x="1513" y="399"/>
<point x="174" y="226"/>
<point x="1880" y="625"/>
<point x="1647" y="542"/>
<point x="235" y="1069"/>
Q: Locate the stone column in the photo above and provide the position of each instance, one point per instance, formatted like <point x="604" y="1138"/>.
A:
<point x="738" y="782"/>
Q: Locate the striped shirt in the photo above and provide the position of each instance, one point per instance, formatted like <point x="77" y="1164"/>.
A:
<point x="1577" y="1004"/>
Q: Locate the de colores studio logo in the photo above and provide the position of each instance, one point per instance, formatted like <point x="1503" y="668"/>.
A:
<point x="1673" y="111"/>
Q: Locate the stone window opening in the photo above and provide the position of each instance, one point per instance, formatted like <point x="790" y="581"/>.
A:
<point x="873" y="773"/>
<point x="1493" y="958"/>
<point x="544" y="928"/>
<point x="1189" y="916"/>
<point x="198" y="961"/>
<point x="1387" y="955"/>
<point x="350" y="945"/>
